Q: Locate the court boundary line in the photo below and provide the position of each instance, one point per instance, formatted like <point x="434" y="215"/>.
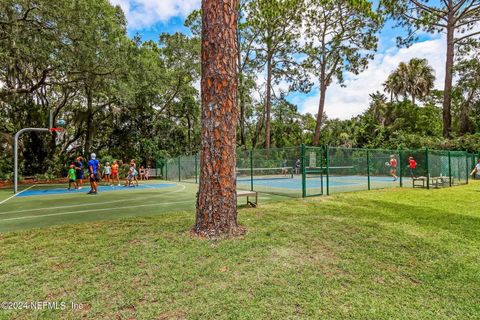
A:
<point x="182" y="188"/>
<point x="92" y="210"/>
<point x="2" y="202"/>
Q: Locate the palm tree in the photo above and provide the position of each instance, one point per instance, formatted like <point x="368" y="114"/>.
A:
<point x="394" y="85"/>
<point x="422" y="78"/>
<point x="415" y="78"/>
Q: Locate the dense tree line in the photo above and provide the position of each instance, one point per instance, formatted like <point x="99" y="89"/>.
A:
<point x="125" y="98"/>
<point x="120" y="97"/>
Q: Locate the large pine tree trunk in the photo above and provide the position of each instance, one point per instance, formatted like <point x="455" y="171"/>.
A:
<point x="216" y="200"/>
<point x="447" y="93"/>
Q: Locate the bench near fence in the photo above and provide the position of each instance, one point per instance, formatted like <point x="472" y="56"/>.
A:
<point x="435" y="182"/>
<point x="247" y="194"/>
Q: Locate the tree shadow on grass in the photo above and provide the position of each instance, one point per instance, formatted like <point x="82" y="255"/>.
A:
<point x="463" y="226"/>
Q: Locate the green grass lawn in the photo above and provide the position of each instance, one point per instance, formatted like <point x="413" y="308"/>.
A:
<point x="386" y="254"/>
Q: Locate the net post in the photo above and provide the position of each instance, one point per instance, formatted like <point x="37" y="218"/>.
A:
<point x="368" y="168"/>
<point x="450" y="168"/>
<point x="251" y="170"/>
<point x="428" y="168"/>
<point x="196" y="168"/>
<point x="302" y="161"/>
<point x="327" y="169"/>
<point x="179" y="169"/>
<point x="400" y="165"/>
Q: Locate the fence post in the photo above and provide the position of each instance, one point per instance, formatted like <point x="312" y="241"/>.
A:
<point x="251" y="170"/>
<point x="400" y="165"/>
<point x="302" y="168"/>
<point x="179" y="169"/>
<point x="428" y="168"/>
<point x="450" y="167"/>
<point x="328" y="169"/>
<point x="196" y="168"/>
<point x="368" y="168"/>
<point x="321" y="169"/>
<point x="466" y="165"/>
<point x="166" y="169"/>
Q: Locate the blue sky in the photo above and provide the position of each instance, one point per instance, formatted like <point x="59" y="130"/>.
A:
<point x="150" y="18"/>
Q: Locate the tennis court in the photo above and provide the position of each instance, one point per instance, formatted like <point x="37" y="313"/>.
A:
<point x="312" y="171"/>
<point x="274" y="181"/>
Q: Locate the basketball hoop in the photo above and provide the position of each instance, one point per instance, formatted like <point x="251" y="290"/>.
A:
<point x="59" y="134"/>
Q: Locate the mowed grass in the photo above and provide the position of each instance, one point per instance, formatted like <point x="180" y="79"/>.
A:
<point x="386" y="254"/>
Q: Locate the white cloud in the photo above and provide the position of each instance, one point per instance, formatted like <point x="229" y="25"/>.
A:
<point x="145" y="13"/>
<point x="346" y="102"/>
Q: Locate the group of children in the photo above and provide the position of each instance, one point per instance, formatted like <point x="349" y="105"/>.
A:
<point x="110" y="173"/>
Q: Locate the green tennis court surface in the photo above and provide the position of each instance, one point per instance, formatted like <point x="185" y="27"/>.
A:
<point x="47" y="205"/>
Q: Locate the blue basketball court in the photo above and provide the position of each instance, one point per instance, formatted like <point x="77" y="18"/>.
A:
<point x="40" y="190"/>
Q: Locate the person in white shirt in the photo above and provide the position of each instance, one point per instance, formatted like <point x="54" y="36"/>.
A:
<point x="476" y="171"/>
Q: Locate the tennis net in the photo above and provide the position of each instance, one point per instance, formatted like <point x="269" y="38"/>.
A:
<point x="247" y="174"/>
<point x="318" y="172"/>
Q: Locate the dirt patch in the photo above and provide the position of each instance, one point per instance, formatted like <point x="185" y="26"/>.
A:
<point x="215" y="236"/>
<point x="177" y="314"/>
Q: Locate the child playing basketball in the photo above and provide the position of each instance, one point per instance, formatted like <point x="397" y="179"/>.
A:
<point x="72" y="176"/>
<point x="135" y="172"/>
<point x="131" y="176"/>
<point x="115" y="173"/>
<point x="107" y="171"/>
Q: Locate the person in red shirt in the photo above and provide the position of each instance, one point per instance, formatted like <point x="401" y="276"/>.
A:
<point x="393" y="167"/>
<point x="412" y="165"/>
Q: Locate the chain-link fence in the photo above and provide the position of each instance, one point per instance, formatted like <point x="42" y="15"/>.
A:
<point x="311" y="171"/>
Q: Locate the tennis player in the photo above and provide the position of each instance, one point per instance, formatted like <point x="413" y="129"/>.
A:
<point x="393" y="167"/>
<point x="297" y="166"/>
<point x="476" y="170"/>
<point x="285" y="167"/>
<point x="412" y="165"/>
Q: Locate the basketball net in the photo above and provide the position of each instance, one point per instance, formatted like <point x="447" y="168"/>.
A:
<point x="59" y="134"/>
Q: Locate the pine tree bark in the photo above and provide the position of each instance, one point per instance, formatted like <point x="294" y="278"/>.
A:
<point x="216" y="200"/>
<point x="321" y="106"/>
<point x="447" y="92"/>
